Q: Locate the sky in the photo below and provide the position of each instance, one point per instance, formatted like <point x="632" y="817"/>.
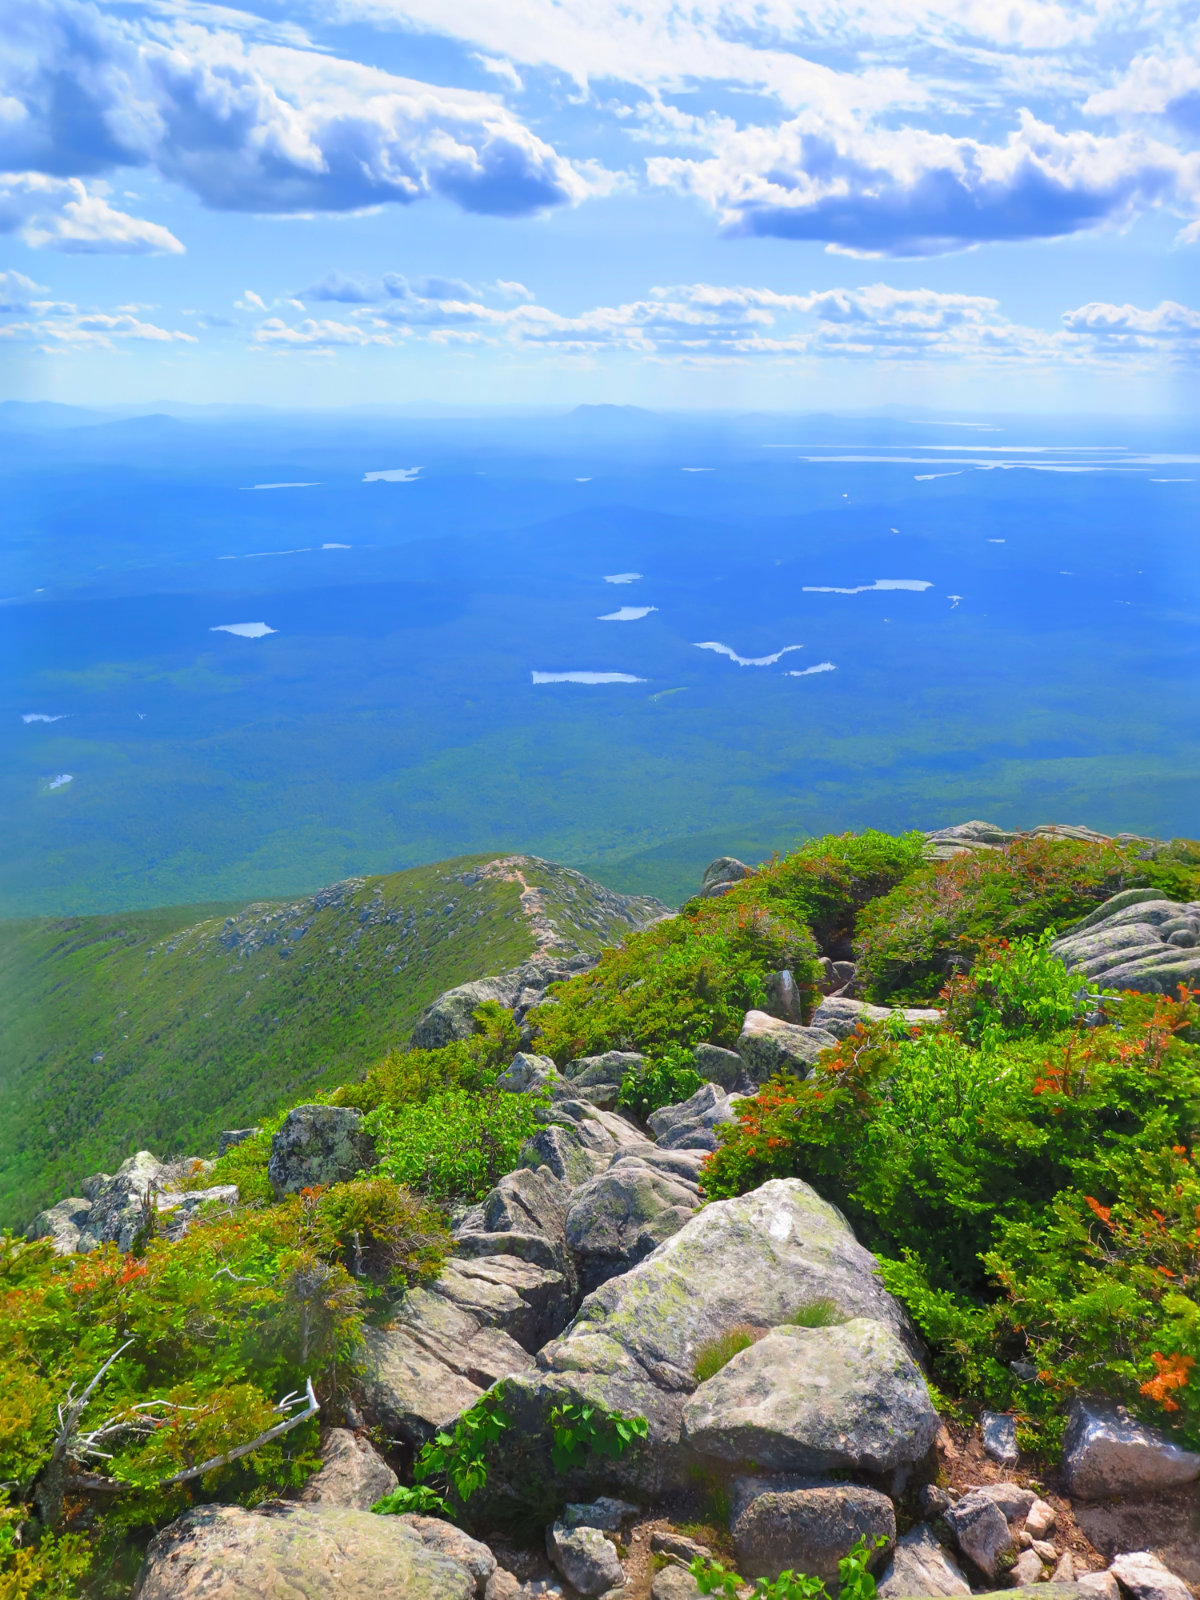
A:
<point x="722" y="203"/>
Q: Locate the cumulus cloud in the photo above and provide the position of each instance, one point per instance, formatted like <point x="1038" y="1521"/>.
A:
<point x="1169" y="328"/>
<point x="911" y="192"/>
<point x="49" y="213"/>
<point x="250" y="126"/>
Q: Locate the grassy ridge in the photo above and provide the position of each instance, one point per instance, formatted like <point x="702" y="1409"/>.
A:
<point x="156" y="1029"/>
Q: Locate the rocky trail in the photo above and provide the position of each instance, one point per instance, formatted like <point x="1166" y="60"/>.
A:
<point x="593" y="1274"/>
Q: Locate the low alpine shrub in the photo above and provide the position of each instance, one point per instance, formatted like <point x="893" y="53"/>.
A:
<point x="380" y="1232"/>
<point x="666" y="1079"/>
<point x="685" y="981"/>
<point x="406" y="1077"/>
<point x="456" y="1144"/>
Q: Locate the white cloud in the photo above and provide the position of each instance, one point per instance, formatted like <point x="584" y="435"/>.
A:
<point x="254" y="126"/>
<point x="1169" y="328"/>
<point x="49" y="213"/>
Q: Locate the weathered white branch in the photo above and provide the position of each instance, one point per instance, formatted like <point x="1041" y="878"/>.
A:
<point x="279" y="1429"/>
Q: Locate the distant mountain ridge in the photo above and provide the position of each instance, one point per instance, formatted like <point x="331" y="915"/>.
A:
<point x="164" y="1027"/>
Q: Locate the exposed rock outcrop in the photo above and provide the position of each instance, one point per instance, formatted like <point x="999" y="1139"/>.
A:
<point x="286" y="1550"/>
<point x="1136" y="940"/>
<point x="767" y="1046"/>
<point x="352" y="1473"/>
<point x="1107" y="1452"/>
<point x="318" y="1145"/>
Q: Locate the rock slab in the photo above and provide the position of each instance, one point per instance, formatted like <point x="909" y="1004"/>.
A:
<point x="808" y="1529"/>
<point x="816" y="1400"/>
<point x="920" y="1566"/>
<point x="1107" y="1452"/>
<point x="352" y="1473"/>
<point x="294" y="1552"/>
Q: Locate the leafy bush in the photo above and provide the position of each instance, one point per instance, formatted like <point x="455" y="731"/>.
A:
<point x="934" y="923"/>
<point x="827" y="881"/>
<point x="456" y="1144"/>
<point x="1031" y="1195"/>
<point x="379" y="1231"/>
<point x="855" y="1580"/>
<point x="578" y="1432"/>
<point x="406" y="1077"/>
<point x="685" y="981"/>
<point x="719" y="1352"/>
<point x="667" y="1079"/>
<point x="1017" y="990"/>
<point x="460" y="1458"/>
<point x="420" y="1500"/>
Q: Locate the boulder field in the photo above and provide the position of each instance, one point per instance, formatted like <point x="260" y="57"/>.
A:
<point x="593" y="1275"/>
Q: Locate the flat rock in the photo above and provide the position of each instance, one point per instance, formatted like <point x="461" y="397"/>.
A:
<point x="585" y="1557"/>
<point x="295" y="1552"/>
<point x="352" y="1473"/>
<point x="318" y="1145"/>
<point x="691" y="1124"/>
<point x="981" y="1529"/>
<point x="816" y="1400"/>
<point x="1146" y="1578"/>
<point x="408" y="1389"/>
<point x="809" y="1529"/>
<point x="767" y="1046"/>
<point x="605" y="1071"/>
<point x="999" y="1431"/>
<point x="965" y="838"/>
<point x="754" y="1260"/>
<point x="674" y="1583"/>
<point x="623" y="1214"/>
<point x="1014" y="1499"/>
<point x="1108" y="1452"/>
<point x="920" y="1566"/>
<point x="1099" y="1583"/>
<point x="842" y="1017"/>
<point x="1136" y="940"/>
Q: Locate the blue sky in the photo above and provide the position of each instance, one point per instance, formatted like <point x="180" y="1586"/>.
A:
<point x="847" y="203"/>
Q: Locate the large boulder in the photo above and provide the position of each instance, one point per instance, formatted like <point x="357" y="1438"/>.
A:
<point x="756" y="1260"/>
<point x="1108" y="1452"/>
<point x="288" y="1551"/>
<point x="451" y="1017"/>
<point x="447" y="1540"/>
<point x="842" y="1017"/>
<point x="767" y="1046"/>
<point x="692" y="1124"/>
<point x="62" y="1223"/>
<point x="623" y="1214"/>
<point x="920" y="1566"/>
<point x="718" y="1066"/>
<point x="1142" y="1575"/>
<point x="586" y="1559"/>
<point x="529" y="1074"/>
<point x="598" y="1079"/>
<point x="450" y="1340"/>
<point x="318" y="1145"/>
<point x="352" y="1473"/>
<point x="807" y="1527"/>
<point x="1136" y="940"/>
<point x="721" y="875"/>
<point x="142" y="1190"/>
<point x="816" y="1400"/>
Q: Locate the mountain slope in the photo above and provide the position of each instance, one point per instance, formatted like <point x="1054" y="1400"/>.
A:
<point x="159" y="1028"/>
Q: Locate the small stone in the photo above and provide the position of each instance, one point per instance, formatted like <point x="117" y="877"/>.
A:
<point x="586" y="1559"/>
<point x="664" y="1542"/>
<point x="1146" y="1578"/>
<point x="1000" y="1437"/>
<point x="1045" y="1551"/>
<point x="920" y="1566"/>
<point x="502" y="1586"/>
<point x="1025" y="1540"/>
<point x="935" y="1502"/>
<point x="607" y="1514"/>
<point x="981" y="1529"/>
<point x="1027" y="1570"/>
<point x="674" y="1583"/>
<point x="1040" y="1519"/>
<point x="1064" y="1571"/>
<point x="1012" y="1498"/>
<point x="1106" y="1451"/>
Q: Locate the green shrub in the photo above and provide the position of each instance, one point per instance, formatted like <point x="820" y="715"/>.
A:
<point x="245" y="1165"/>
<point x="1031" y="1196"/>
<point x="421" y="1501"/>
<point x="719" y="1352"/>
<point x="827" y="881"/>
<point x="460" y="1458"/>
<point x="685" y="981"/>
<point x="456" y="1144"/>
<point x="1017" y="990"/>
<point x="911" y="940"/>
<point x="578" y="1432"/>
<point x="405" y="1077"/>
<point x="667" y="1079"/>
<point x="380" y="1232"/>
<point x="855" y="1580"/>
